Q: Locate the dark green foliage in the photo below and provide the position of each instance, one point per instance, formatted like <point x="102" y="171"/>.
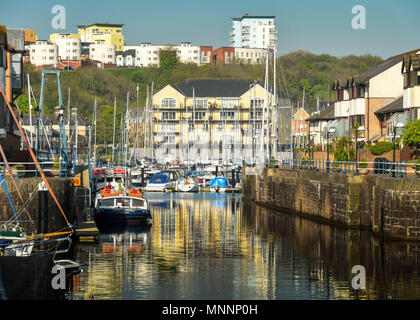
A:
<point x="381" y="147"/>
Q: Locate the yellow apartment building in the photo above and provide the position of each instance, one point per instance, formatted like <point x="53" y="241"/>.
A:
<point x="103" y="33"/>
<point x="54" y="36"/>
<point x="30" y="35"/>
<point x="213" y="120"/>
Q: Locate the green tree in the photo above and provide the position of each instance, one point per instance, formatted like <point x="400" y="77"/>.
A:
<point x="411" y="135"/>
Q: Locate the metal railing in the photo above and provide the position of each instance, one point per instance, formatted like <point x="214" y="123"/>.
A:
<point x="383" y="168"/>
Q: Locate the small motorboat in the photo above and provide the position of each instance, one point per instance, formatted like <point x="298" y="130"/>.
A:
<point x="219" y="184"/>
<point x="160" y="183"/>
<point x="126" y="207"/>
<point x="188" y="185"/>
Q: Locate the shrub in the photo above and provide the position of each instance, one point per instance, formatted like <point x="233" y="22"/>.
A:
<point x="363" y="163"/>
<point x="381" y="147"/>
<point x="56" y="165"/>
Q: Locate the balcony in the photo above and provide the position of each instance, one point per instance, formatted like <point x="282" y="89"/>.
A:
<point x="357" y="107"/>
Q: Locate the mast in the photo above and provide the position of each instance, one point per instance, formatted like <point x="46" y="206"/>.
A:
<point x="68" y="116"/>
<point x="146" y="121"/>
<point x="264" y="106"/>
<point x="274" y="130"/>
<point x="151" y="120"/>
<point x="125" y="129"/>
<point x="77" y="133"/>
<point x="94" y="143"/>
<point x="30" y="109"/>
<point x="136" y="128"/>
<point x="113" y="131"/>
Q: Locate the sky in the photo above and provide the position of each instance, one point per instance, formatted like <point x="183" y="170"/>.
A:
<point x="317" y="26"/>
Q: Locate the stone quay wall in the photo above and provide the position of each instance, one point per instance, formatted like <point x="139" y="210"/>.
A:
<point x="28" y="188"/>
<point x="390" y="207"/>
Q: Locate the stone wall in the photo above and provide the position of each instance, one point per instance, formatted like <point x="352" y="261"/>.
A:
<point x="28" y="186"/>
<point x="387" y="206"/>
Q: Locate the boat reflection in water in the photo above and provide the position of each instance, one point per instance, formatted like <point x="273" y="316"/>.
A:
<point x="216" y="246"/>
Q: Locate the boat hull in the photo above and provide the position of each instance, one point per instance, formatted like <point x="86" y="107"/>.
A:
<point x="121" y="216"/>
<point x="159" y="187"/>
<point x="188" y="188"/>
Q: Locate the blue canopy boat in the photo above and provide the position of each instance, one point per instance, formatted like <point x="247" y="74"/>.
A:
<point x="160" y="182"/>
<point x="218" y="184"/>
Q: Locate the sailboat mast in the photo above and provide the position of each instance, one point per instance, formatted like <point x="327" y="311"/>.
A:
<point x="126" y="129"/>
<point x="30" y="109"/>
<point x="94" y="143"/>
<point x="113" y="132"/>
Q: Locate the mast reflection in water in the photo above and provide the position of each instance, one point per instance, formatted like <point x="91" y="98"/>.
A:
<point x="214" y="246"/>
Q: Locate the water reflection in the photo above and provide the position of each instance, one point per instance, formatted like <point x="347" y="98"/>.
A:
<point x="213" y="246"/>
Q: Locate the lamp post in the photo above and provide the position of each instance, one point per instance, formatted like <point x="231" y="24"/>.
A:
<point x="312" y="134"/>
<point x="359" y="129"/>
<point x="38" y="121"/>
<point x="399" y="125"/>
<point x="330" y="131"/>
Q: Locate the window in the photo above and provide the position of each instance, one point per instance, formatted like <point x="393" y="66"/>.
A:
<point x="168" y="103"/>
<point x="229" y="103"/>
<point x="106" y="203"/>
<point x="191" y="127"/>
<point x="199" y="115"/>
<point x="171" y="115"/>
<point x="227" y="115"/>
<point x="137" y="203"/>
<point x="200" y="103"/>
<point x="257" y="102"/>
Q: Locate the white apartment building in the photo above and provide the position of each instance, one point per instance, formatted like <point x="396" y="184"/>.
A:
<point x="102" y="52"/>
<point x="43" y="53"/>
<point x="188" y="54"/>
<point x="253" y="32"/>
<point x="147" y="55"/>
<point x="126" y="58"/>
<point x="250" y="55"/>
<point x="69" y="48"/>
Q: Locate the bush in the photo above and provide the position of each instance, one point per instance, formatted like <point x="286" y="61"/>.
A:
<point x="363" y="164"/>
<point x="381" y="147"/>
<point x="56" y="165"/>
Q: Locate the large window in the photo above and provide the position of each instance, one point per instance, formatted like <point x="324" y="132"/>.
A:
<point x="200" y="115"/>
<point x="227" y="115"/>
<point x="257" y="102"/>
<point x="170" y="115"/>
<point x="229" y="103"/>
<point x="200" y="103"/>
<point x="168" y="103"/>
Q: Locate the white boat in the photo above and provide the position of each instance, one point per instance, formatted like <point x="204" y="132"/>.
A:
<point x="160" y="183"/>
<point x="187" y="185"/>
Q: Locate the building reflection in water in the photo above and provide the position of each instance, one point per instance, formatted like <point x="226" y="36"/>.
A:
<point x="213" y="246"/>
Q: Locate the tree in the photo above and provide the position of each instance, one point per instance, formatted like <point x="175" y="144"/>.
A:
<point x="411" y="135"/>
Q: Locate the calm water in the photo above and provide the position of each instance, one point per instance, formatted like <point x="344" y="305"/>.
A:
<point x="214" y="246"/>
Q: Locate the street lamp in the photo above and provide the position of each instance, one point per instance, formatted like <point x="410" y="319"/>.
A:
<point x="399" y="125"/>
<point x="359" y="129"/>
<point x="38" y="115"/>
<point x="312" y="134"/>
<point x="330" y="131"/>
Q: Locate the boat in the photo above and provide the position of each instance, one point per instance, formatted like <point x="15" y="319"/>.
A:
<point x="127" y="207"/>
<point x="160" y="183"/>
<point x="219" y="184"/>
<point x="187" y="185"/>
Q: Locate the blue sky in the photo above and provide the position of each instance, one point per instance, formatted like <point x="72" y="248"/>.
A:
<point x="318" y="26"/>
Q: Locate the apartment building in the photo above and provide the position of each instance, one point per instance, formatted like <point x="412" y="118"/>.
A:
<point x="212" y="120"/>
<point x="250" y="55"/>
<point x="126" y="58"/>
<point x="223" y="55"/>
<point x="102" y="52"/>
<point x="250" y="31"/>
<point x="188" y="53"/>
<point x="69" y="45"/>
<point x="103" y="33"/>
<point x="43" y="53"/>
<point x="206" y="54"/>
<point x="300" y="126"/>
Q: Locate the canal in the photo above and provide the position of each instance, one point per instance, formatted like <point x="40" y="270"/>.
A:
<point x="215" y="246"/>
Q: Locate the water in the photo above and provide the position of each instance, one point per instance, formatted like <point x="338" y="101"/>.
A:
<point x="214" y="246"/>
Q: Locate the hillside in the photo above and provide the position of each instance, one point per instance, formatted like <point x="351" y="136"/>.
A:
<point x="294" y="70"/>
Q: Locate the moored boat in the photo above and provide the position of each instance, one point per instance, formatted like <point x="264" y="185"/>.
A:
<point x="219" y="184"/>
<point x="187" y="185"/>
<point x="160" y="183"/>
<point x="127" y="207"/>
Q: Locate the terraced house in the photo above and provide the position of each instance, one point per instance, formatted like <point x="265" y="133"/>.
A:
<point x="365" y="100"/>
<point x="214" y="120"/>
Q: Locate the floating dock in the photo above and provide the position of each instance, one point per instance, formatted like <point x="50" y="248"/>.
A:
<point x="86" y="232"/>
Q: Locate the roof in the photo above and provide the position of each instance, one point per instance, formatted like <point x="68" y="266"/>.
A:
<point x="102" y="24"/>
<point x="391" y="107"/>
<point x="130" y="52"/>
<point x="326" y="114"/>
<point x="214" y="87"/>
<point x="246" y="16"/>
<point x="374" y="71"/>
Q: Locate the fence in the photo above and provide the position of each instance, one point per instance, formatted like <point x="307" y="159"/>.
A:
<point x="384" y="168"/>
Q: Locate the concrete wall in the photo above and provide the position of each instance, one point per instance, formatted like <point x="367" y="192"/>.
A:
<point x="27" y="186"/>
<point x="386" y="206"/>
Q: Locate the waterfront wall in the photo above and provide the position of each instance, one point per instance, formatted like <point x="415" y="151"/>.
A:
<point x="28" y="188"/>
<point x="387" y="206"/>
